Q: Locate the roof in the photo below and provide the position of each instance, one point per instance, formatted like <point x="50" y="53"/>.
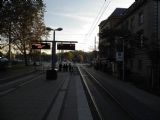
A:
<point x="118" y="12"/>
<point x="102" y="23"/>
<point x="133" y="8"/>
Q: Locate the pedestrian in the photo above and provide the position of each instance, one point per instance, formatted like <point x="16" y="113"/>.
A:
<point x="70" y="67"/>
<point x="66" y="68"/>
<point x="60" y="67"/>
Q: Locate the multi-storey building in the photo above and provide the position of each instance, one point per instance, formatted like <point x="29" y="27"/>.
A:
<point x="106" y="49"/>
<point x="108" y="24"/>
<point x="142" y="20"/>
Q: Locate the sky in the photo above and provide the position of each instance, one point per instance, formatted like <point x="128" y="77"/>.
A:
<point x="80" y="19"/>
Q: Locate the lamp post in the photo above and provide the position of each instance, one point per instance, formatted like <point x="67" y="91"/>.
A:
<point x="123" y="61"/>
<point x="53" y="45"/>
<point x="157" y="37"/>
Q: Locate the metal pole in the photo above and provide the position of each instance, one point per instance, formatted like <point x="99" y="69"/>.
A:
<point x="95" y="44"/>
<point x="95" y="48"/>
<point x="123" y="61"/>
<point x="9" y="52"/>
<point x="157" y="31"/>
<point x="53" y="50"/>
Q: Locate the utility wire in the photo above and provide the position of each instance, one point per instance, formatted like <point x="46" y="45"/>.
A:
<point x="101" y="9"/>
<point x="97" y="19"/>
<point x="101" y="0"/>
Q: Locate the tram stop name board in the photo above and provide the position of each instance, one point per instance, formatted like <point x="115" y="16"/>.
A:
<point x="66" y="46"/>
<point x="41" y="46"/>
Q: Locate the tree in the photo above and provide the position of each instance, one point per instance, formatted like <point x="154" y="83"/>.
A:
<point x="81" y="58"/>
<point x="68" y="56"/>
<point x="77" y="56"/>
<point x="1" y="54"/>
<point x="21" y="21"/>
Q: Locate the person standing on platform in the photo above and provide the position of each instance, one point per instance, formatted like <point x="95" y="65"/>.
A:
<point x="66" y="68"/>
<point x="60" y="66"/>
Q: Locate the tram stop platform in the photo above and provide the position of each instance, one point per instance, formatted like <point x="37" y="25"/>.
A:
<point x="70" y="102"/>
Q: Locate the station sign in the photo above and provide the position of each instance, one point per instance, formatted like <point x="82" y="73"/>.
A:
<point x="41" y="46"/>
<point x="66" y="46"/>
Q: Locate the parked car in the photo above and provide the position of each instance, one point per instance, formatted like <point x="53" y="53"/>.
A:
<point x="3" y="59"/>
<point x="3" y="63"/>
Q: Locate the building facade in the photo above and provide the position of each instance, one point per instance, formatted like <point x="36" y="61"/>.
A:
<point x="142" y="21"/>
<point x="106" y="42"/>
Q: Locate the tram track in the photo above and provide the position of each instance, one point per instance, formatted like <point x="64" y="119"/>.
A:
<point x="93" y="86"/>
<point x="94" y="108"/>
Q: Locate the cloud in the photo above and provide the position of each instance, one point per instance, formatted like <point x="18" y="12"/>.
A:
<point x="83" y="17"/>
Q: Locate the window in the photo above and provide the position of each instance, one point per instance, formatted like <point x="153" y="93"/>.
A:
<point x="140" y="38"/>
<point x="132" y="23"/>
<point x="140" y="18"/>
<point x="126" y="25"/>
<point x="140" y="64"/>
<point x="131" y="63"/>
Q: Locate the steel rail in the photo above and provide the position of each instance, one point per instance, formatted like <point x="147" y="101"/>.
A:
<point x="96" y="115"/>
<point x="107" y="91"/>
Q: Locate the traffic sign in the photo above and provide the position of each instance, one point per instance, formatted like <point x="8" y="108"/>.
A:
<point x="41" y="46"/>
<point x="119" y="56"/>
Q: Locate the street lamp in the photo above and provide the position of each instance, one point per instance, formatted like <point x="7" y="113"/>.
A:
<point x="53" y="45"/>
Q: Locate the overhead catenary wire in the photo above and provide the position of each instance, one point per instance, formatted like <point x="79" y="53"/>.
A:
<point x="99" y="19"/>
<point x="101" y="0"/>
<point x="99" y="16"/>
<point x="100" y="11"/>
